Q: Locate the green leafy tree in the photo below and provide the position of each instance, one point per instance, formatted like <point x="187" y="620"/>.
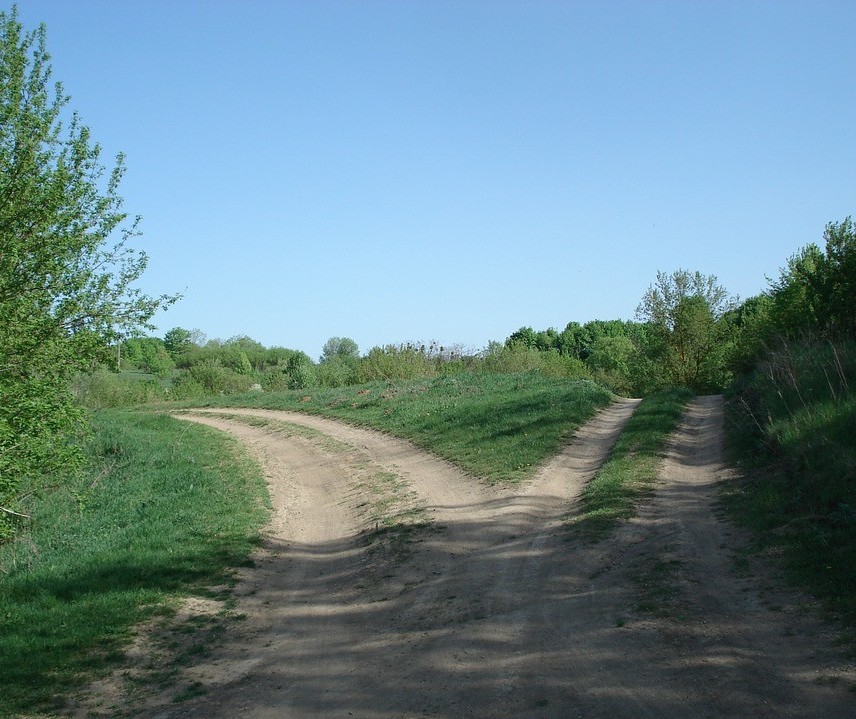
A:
<point x="816" y="292"/>
<point x="147" y="354"/>
<point x="840" y="274"/>
<point x="340" y="347"/>
<point x="751" y="331"/>
<point x="798" y="295"/>
<point x="178" y="341"/>
<point x="524" y="337"/>
<point x="612" y="360"/>
<point x="688" y="340"/>
<point x="340" y="358"/>
<point x="244" y="342"/>
<point x="66" y="272"/>
<point x="301" y="373"/>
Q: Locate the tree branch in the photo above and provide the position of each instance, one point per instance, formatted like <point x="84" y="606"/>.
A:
<point x="13" y="513"/>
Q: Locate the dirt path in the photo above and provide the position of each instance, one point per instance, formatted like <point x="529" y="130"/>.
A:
<point x="495" y="613"/>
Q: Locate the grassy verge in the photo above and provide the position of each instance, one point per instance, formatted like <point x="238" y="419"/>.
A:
<point x="630" y="472"/>
<point x="498" y="427"/>
<point x="165" y="510"/>
<point x="791" y="427"/>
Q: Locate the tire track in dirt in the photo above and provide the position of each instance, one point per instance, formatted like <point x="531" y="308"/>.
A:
<point x="496" y="614"/>
<point x="708" y="644"/>
<point x="447" y="633"/>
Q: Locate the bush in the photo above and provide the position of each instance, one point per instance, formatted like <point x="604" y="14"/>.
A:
<point x="552" y="364"/>
<point x="274" y="380"/>
<point x="147" y="354"/>
<point x="337" y="371"/>
<point x="792" y="426"/>
<point x="103" y="389"/>
<point x="215" y="379"/>
<point x="395" y="362"/>
<point x="512" y="358"/>
<point x="610" y="360"/>
<point x="300" y="372"/>
<point x="800" y="403"/>
<point x="185" y="387"/>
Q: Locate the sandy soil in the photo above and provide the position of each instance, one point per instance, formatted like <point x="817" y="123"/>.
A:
<point x="495" y="613"/>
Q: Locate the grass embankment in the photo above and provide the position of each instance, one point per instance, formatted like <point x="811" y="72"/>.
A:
<point x="497" y="427"/>
<point x="631" y="470"/>
<point x="793" y="429"/>
<point x="165" y="510"/>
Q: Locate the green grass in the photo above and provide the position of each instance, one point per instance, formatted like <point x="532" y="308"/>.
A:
<point x="631" y="470"/>
<point x="165" y="510"/>
<point x="791" y="427"/>
<point x="494" y="426"/>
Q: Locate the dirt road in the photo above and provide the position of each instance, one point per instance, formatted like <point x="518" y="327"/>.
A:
<point x="495" y="613"/>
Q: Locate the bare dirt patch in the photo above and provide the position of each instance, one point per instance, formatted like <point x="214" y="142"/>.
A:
<point x="492" y="612"/>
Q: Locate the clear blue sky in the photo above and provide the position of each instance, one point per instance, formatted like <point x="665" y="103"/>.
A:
<point x="452" y="171"/>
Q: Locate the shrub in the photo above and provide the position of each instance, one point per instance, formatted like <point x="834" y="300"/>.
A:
<point x="215" y="379"/>
<point x="299" y="371"/>
<point x="552" y="364"/>
<point x="274" y="380"/>
<point x="515" y="357"/>
<point x="395" y="362"/>
<point x="792" y="426"/>
<point x="148" y="354"/>
<point x="103" y="389"/>
<point x="802" y="405"/>
<point x="185" y="387"/>
<point x="337" y="371"/>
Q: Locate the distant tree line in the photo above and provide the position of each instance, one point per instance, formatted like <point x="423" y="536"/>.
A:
<point x="688" y="332"/>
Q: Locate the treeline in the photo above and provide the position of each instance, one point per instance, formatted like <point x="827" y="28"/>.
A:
<point x="688" y="332"/>
<point x="150" y="369"/>
<point x="794" y="407"/>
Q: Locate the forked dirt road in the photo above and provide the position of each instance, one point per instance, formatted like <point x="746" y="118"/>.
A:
<point x="495" y="613"/>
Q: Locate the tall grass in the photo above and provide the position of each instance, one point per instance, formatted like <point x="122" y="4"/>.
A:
<point x="496" y="426"/>
<point x="165" y="510"/>
<point x="103" y="389"/>
<point x="793" y="429"/>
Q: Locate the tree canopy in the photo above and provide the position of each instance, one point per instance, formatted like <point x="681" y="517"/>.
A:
<point x="66" y="272"/>
<point x="688" y="338"/>
<point x="341" y="347"/>
<point x="816" y="291"/>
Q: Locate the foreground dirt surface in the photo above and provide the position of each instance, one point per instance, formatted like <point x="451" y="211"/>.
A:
<point x="495" y="612"/>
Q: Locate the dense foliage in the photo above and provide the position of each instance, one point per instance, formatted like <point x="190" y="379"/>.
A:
<point x="688" y="337"/>
<point x="66" y="273"/>
<point x="794" y="416"/>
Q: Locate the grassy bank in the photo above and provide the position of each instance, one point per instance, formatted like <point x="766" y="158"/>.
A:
<point x="792" y="427"/>
<point x="165" y="510"/>
<point x="499" y="427"/>
<point x="630" y="472"/>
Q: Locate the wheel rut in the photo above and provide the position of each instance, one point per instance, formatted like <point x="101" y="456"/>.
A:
<point x="492" y="611"/>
